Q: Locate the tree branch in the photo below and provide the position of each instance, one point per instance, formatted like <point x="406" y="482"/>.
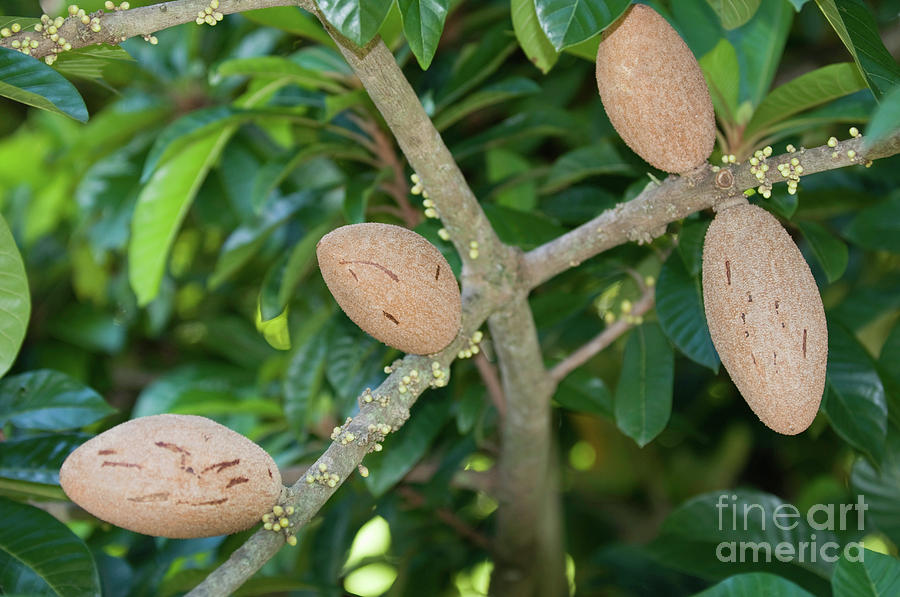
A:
<point x="647" y="215"/>
<point x="528" y="543"/>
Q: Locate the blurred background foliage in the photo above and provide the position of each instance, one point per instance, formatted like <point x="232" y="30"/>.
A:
<point x="169" y="248"/>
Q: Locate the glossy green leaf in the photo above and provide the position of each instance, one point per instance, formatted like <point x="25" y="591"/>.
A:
<point x="889" y="370"/>
<point x="593" y="160"/>
<point x="806" y="91"/>
<point x="301" y="261"/>
<point x="162" y="206"/>
<point x="505" y="166"/>
<point x="213" y="380"/>
<point x="643" y="400"/>
<point x="718" y="534"/>
<point x="37" y="458"/>
<point x="40" y="556"/>
<point x="581" y="391"/>
<point x="50" y="401"/>
<point x="526" y="230"/>
<point x="306" y="372"/>
<point x="866" y="573"/>
<point x="886" y="119"/>
<point x="275" y="330"/>
<point x="854" y="395"/>
<point x="755" y="584"/>
<point x="90" y="62"/>
<point x="29" y="81"/>
<point x="759" y="44"/>
<point x="423" y="22"/>
<point x="357" y="20"/>
<point x="879" y="487"/>
<point x="403" y="449"/>
<point x="15" y="299"/>
<point x="877" y="227"/>
<point x="722" y="73"/>
<point x="734" y="13"/>
<point x="568" y="22"/>
<point x="489" y="95"/>
<point x="291" y="19"/>
<point x="679" y="305"/>
<point x="531" y="37"/>
<point x="516" y="128"/>
<point x="354" y="361"/>
<point x="855" y="25"/>
<point x="830" y="251"/>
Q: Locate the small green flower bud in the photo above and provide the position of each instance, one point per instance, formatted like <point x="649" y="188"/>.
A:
<point x="15" y="27"/>
<point x="832" y="142"/>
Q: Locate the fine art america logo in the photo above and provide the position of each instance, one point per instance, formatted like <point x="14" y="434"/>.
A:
<point x="826" y="518"/>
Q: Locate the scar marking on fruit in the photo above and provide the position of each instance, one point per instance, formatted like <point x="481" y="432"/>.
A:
<point x="728" y="271"/>
<point x="104" y="452"/>
<point x="209" y="503"/>
<point x="743" y="318"/>
<point x="437" y="273"/>
<point x="270" y="472"/>
<point x="237" y="481"/>
<point x="391" y="317"/>
<point x="775" y="358"/>
<point x="151" y="497"/>
<point x="389" y="273"/>
<point x="220" y="466"/>
<point x="353" y="273"/>
<point x="776" y="307"/>
<point x="753" y="357"/>
<point x="749" y="298"/>
<point x="189" y="470"/>
<point x="124" y="464"/>
<point x="172" y="447"/>
<point x="804" y="343"/>
<point x="746" y="334"/>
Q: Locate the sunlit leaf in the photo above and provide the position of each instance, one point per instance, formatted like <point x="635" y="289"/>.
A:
<point x="568" y="22"/>
<point x="49" y="400"/>
<point x="643" y="400"/>
<point x="15" y="299"/>
<point x="30" y="81"/>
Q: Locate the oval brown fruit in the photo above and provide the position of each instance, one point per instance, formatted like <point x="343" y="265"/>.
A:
<point x="654" y="92"/>
<point x="177" y="476"/>
<point x="393" y="284"/>
<point x="765" y="316"/>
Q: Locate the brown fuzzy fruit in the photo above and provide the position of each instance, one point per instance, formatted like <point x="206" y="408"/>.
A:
<point x="177" y="476"/>
<point x="393" y="284"/>
<point x="765" y="316"/>
<point x="654" y="92"/>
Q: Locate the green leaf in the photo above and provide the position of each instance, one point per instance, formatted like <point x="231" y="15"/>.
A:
<point x="29" y="81"/>
<point x="759" y="45"/>
<point x="755" y="584"/>
<point x="300" y="261"/>
<point x="886" y="119"/>
<point x="854" y="395"/>
<point x="489" y="95"/>
<point x="879" y="487"/>
<point x="856" y="27"/>
<point x="542" y="122"/>
<point x="212" y="380"/>
<point x="357" y="20"/>
<point x="15" y="300"/>
<point x="720" y="67"/>
<point x="718" y="534"/>
<point x="643" y="399"/>
<point x="291" y="19"/>
<point x="599" y="158"/>
<point x="49" y="401"/>
<point x="531" y="37"/>
<point x="583" y="392"/>
<point x="568" y="22"/>
<point x="806" y="91"/>
<point x="280" y="68"/>
<point x="402" y="450"/>
<point x="274" y="330"/>
<point x="476" y="63"/>
<point x="423" y="22"/>
<point x="162" y="205"/>
<point x="830" y="251"/>
<point x="40" y="556"/>
<point x="37" y="458"/>
<point x="889" y="370"/>
<point x="866" y="573"/>
<point x="877" y="227"/>
<point x="504" y="166"/>
<point x="305" y="372"/>
<point x="679" y="305"/>
<point x="90" y="62"/>
<point x="354" y="360"/>
<point x="734" y="13"/>
<point x="526" y="230"/>
<point x="690" y="245"/>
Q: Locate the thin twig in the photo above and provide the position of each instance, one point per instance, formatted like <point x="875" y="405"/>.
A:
<point x="491" y="382"/>
<point x="462" y="528"/>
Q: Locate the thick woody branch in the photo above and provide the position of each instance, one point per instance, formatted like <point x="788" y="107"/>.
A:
<point x="116" y="27"/>
<point x="646" y="216"/>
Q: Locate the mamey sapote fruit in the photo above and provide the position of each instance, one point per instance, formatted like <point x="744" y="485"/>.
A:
<point x="765" y="316"/>
<point x="177" y="476"/>
<point x="654" y="92"/>
<point x="393" y="284"/>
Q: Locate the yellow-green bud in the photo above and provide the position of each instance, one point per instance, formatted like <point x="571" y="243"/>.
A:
<point x="832" y="142"/>
<point x="15" y="27"/>
<point x="291" y="540"/>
